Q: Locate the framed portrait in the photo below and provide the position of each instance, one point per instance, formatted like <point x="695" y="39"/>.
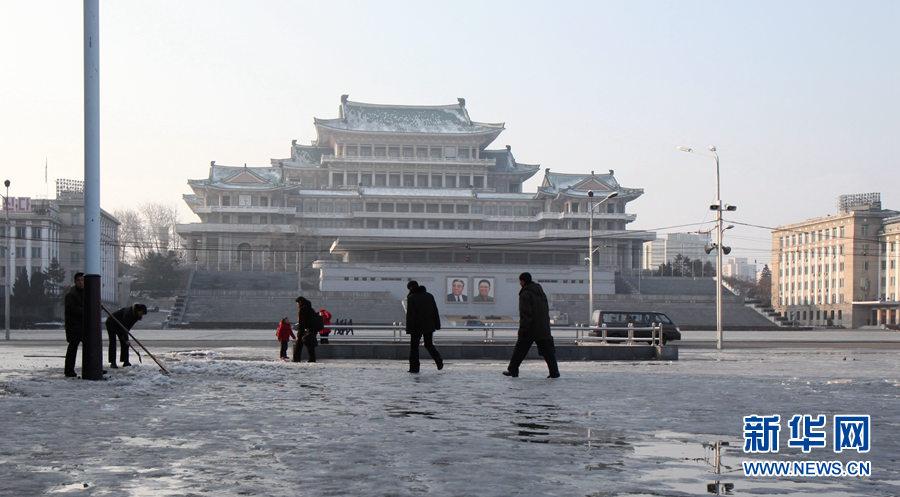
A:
<point x="457" y="290"/>
<point x="483" y="289"/>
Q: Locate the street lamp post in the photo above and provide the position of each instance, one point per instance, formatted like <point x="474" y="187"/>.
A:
<point x="7" y="263"/>
<point x="720" y="249"/>
<point x="591" y="250"/>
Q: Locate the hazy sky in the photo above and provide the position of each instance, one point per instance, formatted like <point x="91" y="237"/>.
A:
<point x="801" y="98"/>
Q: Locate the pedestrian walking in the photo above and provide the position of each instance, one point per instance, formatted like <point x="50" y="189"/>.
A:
<point x="117" y="326"/>
<point x="422" y="320"/>
<point x="309" y="323"/>
<point x="74" y="322"/>
<point x="534" y="327"/>
<point x="326" y="320"/>
<point x="284" y="334"/>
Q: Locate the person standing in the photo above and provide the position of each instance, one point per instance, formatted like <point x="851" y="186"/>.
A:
<point x="284" y="334"/>
<point x="117" y="326"/>
<point x="422" y="320"/>
<point x="74" y="317"/>
<point x="308" y="326"/>
<point x="534" y="327"/>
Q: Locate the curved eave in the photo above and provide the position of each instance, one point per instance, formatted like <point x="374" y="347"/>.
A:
<point x="491" y="130"/>
<point x="219" y="187"/>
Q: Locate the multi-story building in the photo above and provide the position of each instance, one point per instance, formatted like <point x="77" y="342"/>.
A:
<point x="886" y="311"/>
<point x="826" y="271"/>
<point x="70" y="204"/>
<point x="665" y="249"/>
<point x="34" y="238"/>
<point x="739" y="267"/>
<point x="391" y="192"/>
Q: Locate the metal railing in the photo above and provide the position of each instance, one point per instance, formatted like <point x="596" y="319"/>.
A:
<point x="494" y="333"/>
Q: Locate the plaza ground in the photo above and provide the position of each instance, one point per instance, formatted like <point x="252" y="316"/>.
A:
<point x="234" y="421"/>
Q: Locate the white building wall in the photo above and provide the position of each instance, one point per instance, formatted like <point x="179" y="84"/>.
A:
<point x="350" y="277"/>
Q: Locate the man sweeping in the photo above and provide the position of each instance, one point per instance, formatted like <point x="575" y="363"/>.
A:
<point x="117" y="326"/>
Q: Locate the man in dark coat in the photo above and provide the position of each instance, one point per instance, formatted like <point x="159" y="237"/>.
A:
<point x="117" y="326"/>
<point x="422" y="320"/>
<point x="308" y="322"/>
<point x="74" y="322"/>
<point x="534" y="327"/>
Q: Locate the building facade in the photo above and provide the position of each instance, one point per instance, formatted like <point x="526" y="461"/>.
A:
<point x="415" y="189"/>
<point x="826" y="271"/>
<point x="739" y="267"/>
<point x="34" y="231"/>
<point x="886" y="311"/>
<point x="665" y="248"/>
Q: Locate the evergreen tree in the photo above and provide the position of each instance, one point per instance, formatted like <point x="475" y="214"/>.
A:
<point x="764" y="286"/>
<point x="56" y="276"/>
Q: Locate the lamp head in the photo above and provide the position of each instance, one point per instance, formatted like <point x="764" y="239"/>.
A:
<point x="612" y="195"/>
<point x="6" y="183"/>
<point x="591" y="193"/>
<point x="726" y="250"/>
<point x="684" y="149"/>
<point x="712" y="148"/>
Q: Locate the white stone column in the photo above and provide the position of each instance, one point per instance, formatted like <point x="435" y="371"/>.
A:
<point x="878" y="278"/>
<point x="897" y="270"/>
<point x="28" y="237"/>
<point x="45" y="247"/>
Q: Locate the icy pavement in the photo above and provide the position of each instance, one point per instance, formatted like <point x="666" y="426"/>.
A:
<point x="236" y="422"/>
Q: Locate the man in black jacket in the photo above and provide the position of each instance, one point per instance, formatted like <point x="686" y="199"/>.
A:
<point x="117" y="326"/>
<point x="534" y="327"/>
<point x="74" y="322"/>
<point x="308" y="325"/>
<point x="422" y="319"/>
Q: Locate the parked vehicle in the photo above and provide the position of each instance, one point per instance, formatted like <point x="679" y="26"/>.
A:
<point x="617" y="323"/>
<point x="474" y="322"/>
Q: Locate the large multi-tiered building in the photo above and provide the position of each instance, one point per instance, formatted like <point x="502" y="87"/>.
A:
<point x="391" y="192"/>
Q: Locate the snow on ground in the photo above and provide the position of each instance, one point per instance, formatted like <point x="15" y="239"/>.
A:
<point x="234" y="421"/>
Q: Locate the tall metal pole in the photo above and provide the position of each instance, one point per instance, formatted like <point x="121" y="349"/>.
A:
<point x="92" y="356"/>
<point x="9" y="261"/>
<point x="719" y="280"/>
<point x="591" y="261"/>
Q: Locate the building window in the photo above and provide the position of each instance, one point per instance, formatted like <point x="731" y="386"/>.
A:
<point x="409" y="180"/>
<point x="446" y="208"/>
<point x="380" y="179"/>
<point x="387" y="207"/>
<point x="394" y="179"/>
<point x="35" y="252"/>
<point x="432" y="208"/>
<point x="366" y="179"/>
<point x="451" y="182"/>
<point x="352" y="179"/>
<point x="418" y="207"/>
<point x="20" y="232"/>
<point x="371" y="223"/>
<point x="20" y="252"/>
<point x="36" y="233"/>
<point x="337" y="179"/>
<point x="371" y="207"/>
<point x="437" y="181"/>
<point x="402" y="207"/>
<point x="226" y="200"/>
<point x="402" y="224"/>
<point x="462" y="208"/>
<point x="479" y="181"/>
<point x="465" y="181"/>
<point x="387" y="224"/>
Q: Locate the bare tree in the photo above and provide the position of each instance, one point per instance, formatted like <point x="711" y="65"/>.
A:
<point x="159" y="221"/>
<point x="149" y="228"/>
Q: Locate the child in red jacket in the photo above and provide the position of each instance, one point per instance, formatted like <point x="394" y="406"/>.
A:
<point x="284" y="334"/>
